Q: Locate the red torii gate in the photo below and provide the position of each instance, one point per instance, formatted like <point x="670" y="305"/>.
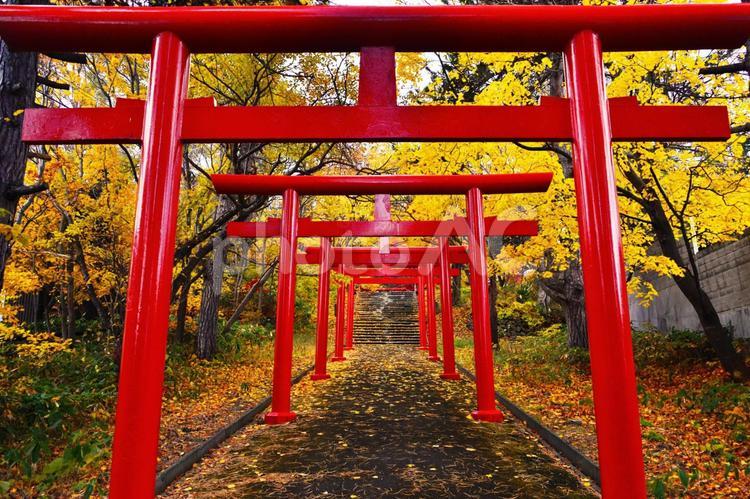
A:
<point x="427" y="329"/>
<point x="417" y="274"/>
<point x="167" y="119"/>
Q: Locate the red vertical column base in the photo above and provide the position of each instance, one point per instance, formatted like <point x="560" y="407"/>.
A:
<point x="348" y="348"/>
<point x="338" y="359"/>
<point x="450" y="375"/>
<point x="436" y="358"/>
<point x="319" y="377"/>
<point x="423" y="348"/>
<point x="488" y="416"/>
<point x="280" y="417"/>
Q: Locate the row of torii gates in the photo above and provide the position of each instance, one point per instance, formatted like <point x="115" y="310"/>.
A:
<point x="357" y="261"/>
<point x="398" y="265"/>
<point x="167" y="120"/>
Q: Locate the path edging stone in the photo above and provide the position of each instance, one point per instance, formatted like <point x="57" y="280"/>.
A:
<point x="184" y="463"/>
<point x="561" y="446"/>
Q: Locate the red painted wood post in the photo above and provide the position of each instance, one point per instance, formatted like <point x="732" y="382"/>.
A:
<point x="421" y="311"/>
<point x="349" y="343"/>
<point x="377" y="88"/>
<point x="607" y="317"/>
<point x="338" y="351"/>
<point x="281" y="410"/>
<point x="446" y="312"/>
<point x="480" y="311"/>
<point x="431" y="319"/>
<point x="324" y="289"/>
<point x="383" y="213"/>
<point x="144" y="340"/>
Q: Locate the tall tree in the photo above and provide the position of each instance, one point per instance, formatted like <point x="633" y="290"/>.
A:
<point x="18" y="81"/>
<point x="673" y="196"/>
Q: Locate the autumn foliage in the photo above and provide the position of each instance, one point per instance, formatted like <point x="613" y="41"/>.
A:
<point x="63" y="299"/>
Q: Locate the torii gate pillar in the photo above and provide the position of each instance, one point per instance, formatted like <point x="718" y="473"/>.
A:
<point x="349" y="343"/>
<point x="446" y="312"/>
<point x="281" y="411"/>
<point x="431" y="319"/>
<point x="338" y="351"/>
<point x="480" y="313"/>
<point x="144" y="339"/>
<point x="324" y="288"/>
<point x="421" y="311"/>
<point x="618" y="427"/>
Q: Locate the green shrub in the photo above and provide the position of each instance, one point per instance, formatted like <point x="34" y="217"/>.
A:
<point x="676" y="347"/>
<point x="545" y="355"/>
<point x="46" y="405"/>
<point x="231" y="346"/>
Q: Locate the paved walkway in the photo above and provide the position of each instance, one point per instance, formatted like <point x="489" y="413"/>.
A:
<point x="384" y="426"/>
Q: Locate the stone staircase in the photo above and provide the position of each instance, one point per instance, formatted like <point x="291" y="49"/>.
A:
<point x="386" y="316"/>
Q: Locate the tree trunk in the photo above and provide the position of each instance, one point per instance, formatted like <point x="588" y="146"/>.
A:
<point x="101" y="311"/>
<point x="575" y="319"/>
<point x="182" y="311"/>
<point x="456" y="280"/>
<point x="574" y="309"/>
<point x="456" y="290"/>
<point x="495" y="245"/>
<point x="258" y="286"/>
<point x="566" y="288"/>
<point x="17" y="89"/>
<point x="205" y="340"/>
<point x="493" y="310"/>
<point x="68" y="313"/>
<point x="205" y="345"/>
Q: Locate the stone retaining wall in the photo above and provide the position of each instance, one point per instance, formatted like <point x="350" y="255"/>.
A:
<point x="725" y="272"/>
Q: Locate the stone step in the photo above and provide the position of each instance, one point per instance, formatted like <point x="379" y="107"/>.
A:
<point x="405" y="334"/>
<point x="383" y="317"/>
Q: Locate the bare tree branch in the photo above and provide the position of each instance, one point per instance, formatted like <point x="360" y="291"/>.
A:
<point x="41" y="80"/>
<point x="74" y="58"/>
<point x="25" y="190"/>
<point x="729" y="68"/>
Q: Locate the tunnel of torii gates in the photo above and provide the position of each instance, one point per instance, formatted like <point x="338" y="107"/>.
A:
<point x="473" y="227"/>
<point x="167" y="120"/>
<point x="384" y="265"/>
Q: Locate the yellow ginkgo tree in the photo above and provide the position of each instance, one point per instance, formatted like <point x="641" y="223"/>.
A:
<point x="675" y="198"/>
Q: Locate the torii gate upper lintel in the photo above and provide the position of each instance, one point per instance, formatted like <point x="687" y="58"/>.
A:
<point x="167" y="120"/>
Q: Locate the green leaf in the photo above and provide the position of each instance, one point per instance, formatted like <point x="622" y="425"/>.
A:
<point x="55" y="466"/>
<point x="684" y="478"/>
<point x="659" y="489"/>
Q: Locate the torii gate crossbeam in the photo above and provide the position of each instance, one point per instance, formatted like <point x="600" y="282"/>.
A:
<point x="422" y="228"/>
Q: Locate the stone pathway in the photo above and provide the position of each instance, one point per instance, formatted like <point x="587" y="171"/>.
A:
<point x="385" y="425"/>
